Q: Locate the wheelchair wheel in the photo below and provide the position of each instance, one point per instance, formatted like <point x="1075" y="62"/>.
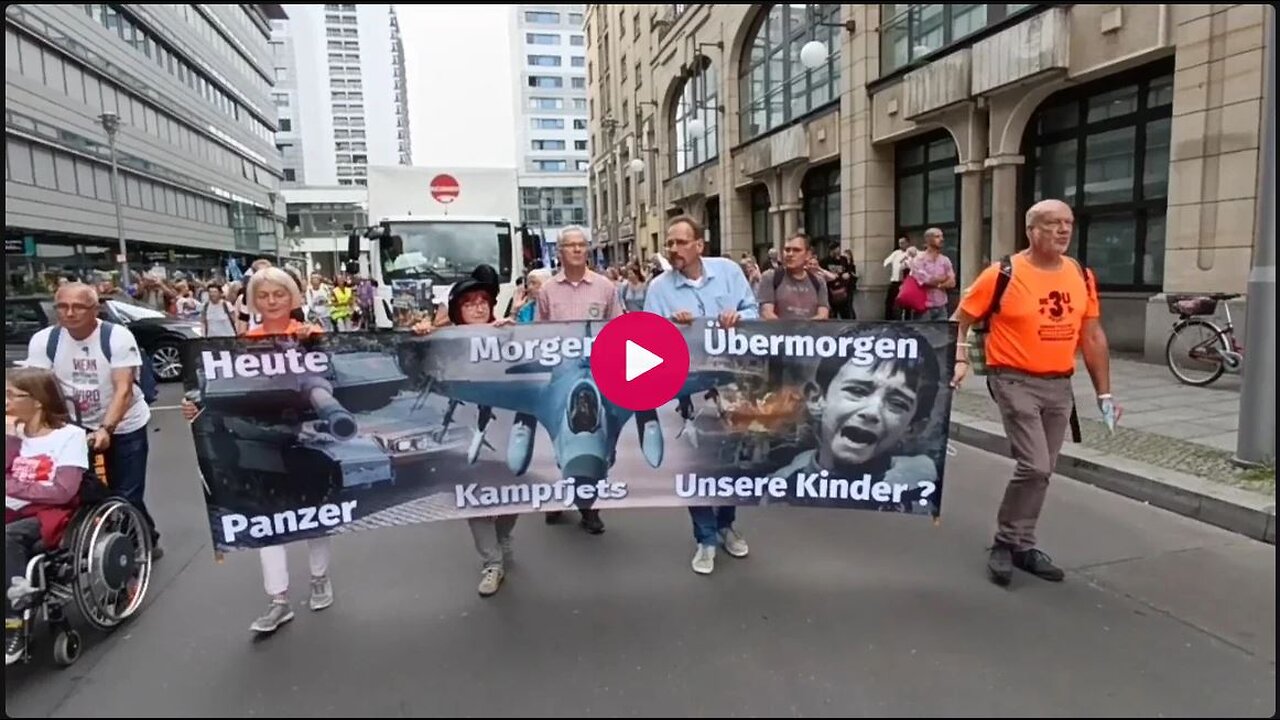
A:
<point x="66" y="647"/>
<point x="111" y="556"/>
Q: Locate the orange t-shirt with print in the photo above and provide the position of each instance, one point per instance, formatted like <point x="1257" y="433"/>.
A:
<point x="292" y="329"/>
<point x="1037" y="329"/>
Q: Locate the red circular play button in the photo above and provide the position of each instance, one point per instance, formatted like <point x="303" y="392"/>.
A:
<point x="640" y="361"/>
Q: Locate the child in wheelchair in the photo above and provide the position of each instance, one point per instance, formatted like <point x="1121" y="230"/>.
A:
<point x="45" y="459"/>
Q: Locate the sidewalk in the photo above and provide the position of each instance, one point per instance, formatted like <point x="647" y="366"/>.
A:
<point x="1172" y="449"/>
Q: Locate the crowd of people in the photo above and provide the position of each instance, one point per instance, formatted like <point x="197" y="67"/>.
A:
<point x="1029" y="372"/>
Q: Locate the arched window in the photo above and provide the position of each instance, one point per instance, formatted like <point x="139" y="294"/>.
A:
<point x="698" y="98"/>
<point x="774" y="86"/>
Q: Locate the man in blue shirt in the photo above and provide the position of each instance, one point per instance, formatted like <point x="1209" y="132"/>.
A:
<point x="697" y="288"/>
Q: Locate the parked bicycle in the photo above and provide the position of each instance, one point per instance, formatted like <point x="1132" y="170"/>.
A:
<point x="1199" y="351"/>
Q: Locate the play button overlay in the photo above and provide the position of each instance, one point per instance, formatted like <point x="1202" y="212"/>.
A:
<point x="640" y="361"/>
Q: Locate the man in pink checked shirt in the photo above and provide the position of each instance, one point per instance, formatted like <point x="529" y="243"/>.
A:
<point x="575" y="293"/>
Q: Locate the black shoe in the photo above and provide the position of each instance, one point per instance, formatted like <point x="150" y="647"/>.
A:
<point x="591" y="522"/>
<point x="1039" y="564"/>
<point x="553" y="517"/>
<point x="1000" y="564"/>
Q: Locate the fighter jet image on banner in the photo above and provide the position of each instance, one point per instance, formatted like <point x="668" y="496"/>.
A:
<point x="584" y="427"/>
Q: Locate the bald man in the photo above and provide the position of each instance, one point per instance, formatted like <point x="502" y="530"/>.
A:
<point x="1048" y="309"/>
<point x="101" y="378"/>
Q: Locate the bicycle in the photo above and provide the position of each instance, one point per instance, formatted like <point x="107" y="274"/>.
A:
<point x="1199" y="351"/>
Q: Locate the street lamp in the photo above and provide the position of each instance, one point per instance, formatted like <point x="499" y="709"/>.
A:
<point x="814" y="54"/>
<point x="111" y="123"/>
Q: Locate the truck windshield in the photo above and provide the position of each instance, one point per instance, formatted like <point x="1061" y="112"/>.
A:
<point x="445" y="252"/>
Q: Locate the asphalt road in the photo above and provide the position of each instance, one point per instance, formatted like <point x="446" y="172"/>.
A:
<point x="842" y="613"/>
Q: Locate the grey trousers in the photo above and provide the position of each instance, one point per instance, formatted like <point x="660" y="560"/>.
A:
<point x="492" y="536"/>
<point x="1036" y="412"/>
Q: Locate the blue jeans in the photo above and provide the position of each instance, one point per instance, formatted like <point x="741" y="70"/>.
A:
<point x="126" y="462"/>
<point x="935" y="313"/>
<point x="708" y="521"/>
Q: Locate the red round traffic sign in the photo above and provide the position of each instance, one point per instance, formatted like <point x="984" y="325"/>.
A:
<point x="640" y="361"/>
<point x="444" y="188"/>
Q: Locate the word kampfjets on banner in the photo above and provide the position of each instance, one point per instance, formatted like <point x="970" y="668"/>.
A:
<point x="366" y="430"/>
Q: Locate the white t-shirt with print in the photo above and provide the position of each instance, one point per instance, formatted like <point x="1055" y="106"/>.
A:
<point x="86" y="375"/>
<point x="40" y="457"/>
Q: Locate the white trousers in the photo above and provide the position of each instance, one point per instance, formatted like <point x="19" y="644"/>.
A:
<point x="275" y="564"/>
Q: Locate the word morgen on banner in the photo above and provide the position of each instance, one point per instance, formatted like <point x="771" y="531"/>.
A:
<point x="358" y="431"/>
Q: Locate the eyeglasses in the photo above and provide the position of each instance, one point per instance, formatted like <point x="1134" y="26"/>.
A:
<point x="72" y="307"/>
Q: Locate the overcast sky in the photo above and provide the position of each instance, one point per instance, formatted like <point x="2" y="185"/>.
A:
<point x="458" y="61"/>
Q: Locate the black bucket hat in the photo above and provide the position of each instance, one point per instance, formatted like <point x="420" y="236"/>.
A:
<point x="485" y="278"/>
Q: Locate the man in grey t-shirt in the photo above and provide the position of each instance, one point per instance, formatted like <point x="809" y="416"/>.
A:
<point x="792" y="292"/>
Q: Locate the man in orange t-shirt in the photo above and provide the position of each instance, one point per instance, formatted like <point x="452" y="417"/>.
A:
<point x="1048" y="310"/>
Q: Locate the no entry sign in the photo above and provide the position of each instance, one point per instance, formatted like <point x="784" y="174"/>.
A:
<point x="444" y="188"/>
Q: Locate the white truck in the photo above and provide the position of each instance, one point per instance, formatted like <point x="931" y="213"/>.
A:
<point x="438" y="224"/>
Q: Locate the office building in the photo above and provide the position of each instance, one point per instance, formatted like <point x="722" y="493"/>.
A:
<point x="858" y="123"/>
<point x="551" y="119"/>
<point x="187" y="91"/>
<point x="340" y="95"/>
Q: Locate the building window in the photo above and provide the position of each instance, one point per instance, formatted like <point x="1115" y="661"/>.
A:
<point x="548" y="123"/>
<point x="760" y="242"/>
<point x="546" y="81"/>
<point x="544" y="60"/>
<point x="579" y="104"/>
<point x="542" y="18"/>
<point x="576" y="40"/>
<point x="692" y="149"/>
<point x="548" y="144"/>
<point x="821" y="190"/>
<point x="582" y="165"/>
<point x="290" y="175"/>
<point x="578" y="83"/>
<point x="1103" y="148"/>
<point x="774" y="87"/>
<point x="909" y="32"/>
<point x="575" y="19"/>
<point x="579" y="144"/>
<point x="281" y="99"/>
<point x="539" y="103"/>
<point x="577" y="61"/>
<point x="541" y="39"/>
<point x="286" y="125"/>
<point x="551" y="165"/>
<point x="928" y="191"/>
<point x="579" y="124"/>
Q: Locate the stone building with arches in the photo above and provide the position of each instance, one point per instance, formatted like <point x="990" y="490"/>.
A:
<point x="858" y="123"/>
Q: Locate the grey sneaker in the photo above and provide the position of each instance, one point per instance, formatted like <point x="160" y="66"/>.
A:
<point x="490" y="579"/>
<point x="278" y="614"/>
<point x="704" y="560"/>
<point x="733" y="543"/>
<point x="321" y="593"/>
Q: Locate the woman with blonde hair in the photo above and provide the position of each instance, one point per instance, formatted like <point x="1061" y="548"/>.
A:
<point x="273" y="295"/>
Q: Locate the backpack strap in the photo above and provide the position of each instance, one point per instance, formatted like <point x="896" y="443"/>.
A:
<point x="104" y="339"/>
<point x="778" y="278"/>
<point x="1002" y="284"/>
<point x="51" y="345"/>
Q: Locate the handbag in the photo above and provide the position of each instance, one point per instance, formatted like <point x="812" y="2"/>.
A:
<point x="912" y="295"/>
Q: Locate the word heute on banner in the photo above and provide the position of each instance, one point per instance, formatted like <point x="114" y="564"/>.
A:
<point x="359" y="431"/>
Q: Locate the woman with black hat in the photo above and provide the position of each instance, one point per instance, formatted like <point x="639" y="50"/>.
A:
<point x="471" y="302"/>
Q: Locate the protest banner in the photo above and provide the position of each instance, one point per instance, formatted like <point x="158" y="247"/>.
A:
<point x="356" y="431"/>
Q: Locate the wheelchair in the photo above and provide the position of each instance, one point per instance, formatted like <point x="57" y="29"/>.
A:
<point x="102" y="566"/>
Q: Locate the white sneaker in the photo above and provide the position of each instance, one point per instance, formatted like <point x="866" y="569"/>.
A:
<point x="733" y="543"/>
<point x="278" y="614"/>
<point x="704" y="560"/>
<point x="490" y="580"/>
<point x="321" y="593"/>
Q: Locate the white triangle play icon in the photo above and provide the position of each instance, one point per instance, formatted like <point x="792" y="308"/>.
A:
<point x="639" y="361"/>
